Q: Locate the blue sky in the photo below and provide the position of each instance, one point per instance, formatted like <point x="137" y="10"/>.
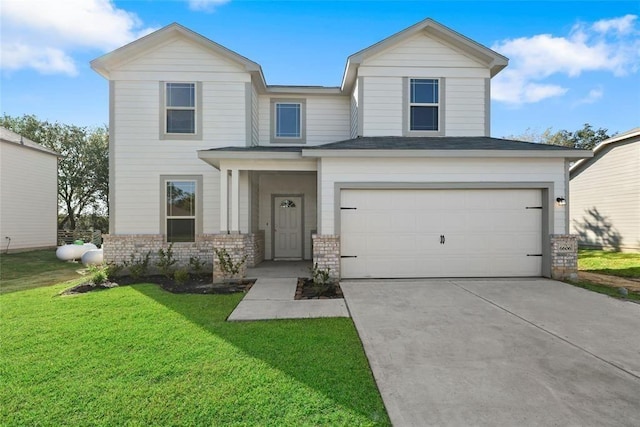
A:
<point x="571" y="62"/>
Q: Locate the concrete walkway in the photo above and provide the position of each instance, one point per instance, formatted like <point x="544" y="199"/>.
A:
<point x="503" y="352"/>
<point x="273" y="298"/>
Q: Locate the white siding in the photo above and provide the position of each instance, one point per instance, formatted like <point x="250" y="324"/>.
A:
<point x="28" y="197"/>
<point x="465" y="107"/>
<point x="607" y="195"/>
<point x="354" y="111"/>
<point x="288" y="184"/>
<point x="382" y="106"/>
<point x="141" y="157"/>
<point x="180" y="56"/>
<point x="255" y="116"/>
<point x="327" y="118"/>
<point x="437" y="170"/>
<point x="422" y="51"/>
<point x="422" y="57"/>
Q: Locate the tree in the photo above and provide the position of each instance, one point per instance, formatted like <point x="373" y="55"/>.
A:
<point x="586" y="138"/>
<point x="83" y="169"/>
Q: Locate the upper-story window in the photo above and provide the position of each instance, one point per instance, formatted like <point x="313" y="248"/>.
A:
<point x="424" y="104"/>
<point x="288" y="123"/>
<point x="424" y="107"/>
<point x="288" y="120"/>
<point x="181" y="110"/>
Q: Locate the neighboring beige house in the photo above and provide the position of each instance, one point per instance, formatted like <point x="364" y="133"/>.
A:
<point x="605" y="194"/>
<point x="28" y="193"/>
<point x="392" y="174"/>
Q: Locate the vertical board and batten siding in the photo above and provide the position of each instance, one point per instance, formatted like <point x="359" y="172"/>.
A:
<point x="141" y="157"/>
<point x="436" y="170"/>
<point x="423" y="57"/>
<point x="29" y="204"/>
<point x="610" y="186"/>
<point x="327" y="118"/>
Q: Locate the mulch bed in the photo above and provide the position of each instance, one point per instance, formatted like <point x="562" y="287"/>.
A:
<point x="306" y="290"/>
<point x="195" y="285"/>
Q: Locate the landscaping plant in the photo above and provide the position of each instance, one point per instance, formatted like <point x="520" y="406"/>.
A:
<point x="321" y="279"/>
<point x="166" y="261"/>
<point x="229" y="268"/>
<point x="138" y="266"/>
<point x="197" y="265"/>
<point x="181" y="276"/>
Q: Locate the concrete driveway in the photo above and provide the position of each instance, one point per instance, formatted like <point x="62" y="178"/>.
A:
<point x="499" y="352"/>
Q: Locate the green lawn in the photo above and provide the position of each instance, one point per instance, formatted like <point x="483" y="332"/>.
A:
<point x="139" y="356"/>
<point x="26" y="270"/>
<point x="612" y="263"/>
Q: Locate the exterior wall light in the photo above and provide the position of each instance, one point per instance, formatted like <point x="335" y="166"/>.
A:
<point x="561" y="201"/>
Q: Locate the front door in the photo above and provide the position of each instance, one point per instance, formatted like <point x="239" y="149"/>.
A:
<point x="287" y="232"/>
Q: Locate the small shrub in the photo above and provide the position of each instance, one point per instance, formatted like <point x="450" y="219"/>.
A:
<point x="321" y="279"/>
<point x="166" y="261"/>
<point x="138" y="266"/>
<point x="229" y="268"/>
<point x="197" y="265"/>
<point x="181" y="276"/>
<point x="98" y="274"/>
<point x="113" y="270"/>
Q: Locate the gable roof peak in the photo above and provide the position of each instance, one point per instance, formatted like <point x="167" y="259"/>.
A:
<point x="104" y="64"/>
<point x="493" y="60"/>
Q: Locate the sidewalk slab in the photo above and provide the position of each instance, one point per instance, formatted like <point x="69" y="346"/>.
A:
<point x="272" y="289"/>
<point x="301" y="309"/>
<point x="273" y="298"/>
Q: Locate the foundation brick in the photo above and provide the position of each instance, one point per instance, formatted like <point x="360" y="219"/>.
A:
<point x="118" y="248"/>
<point x="564" y="256"/>
<point x="326" y="253"/>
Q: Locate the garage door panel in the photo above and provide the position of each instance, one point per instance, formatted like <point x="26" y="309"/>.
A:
<point x="396" y="233"/>
<point x="403" y="222"/>
<point x="428" y="222"/>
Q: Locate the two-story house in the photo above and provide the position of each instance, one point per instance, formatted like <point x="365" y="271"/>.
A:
<point x="392" y="174"/>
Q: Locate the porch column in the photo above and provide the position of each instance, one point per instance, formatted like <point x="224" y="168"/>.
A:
<point x="235" y="201"/>
<point x="224" y="201"/>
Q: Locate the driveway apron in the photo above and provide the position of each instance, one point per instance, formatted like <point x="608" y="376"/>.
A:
<point x="499" y="352"/>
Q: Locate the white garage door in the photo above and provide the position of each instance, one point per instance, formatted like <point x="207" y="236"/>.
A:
<point x="440" y="233"/>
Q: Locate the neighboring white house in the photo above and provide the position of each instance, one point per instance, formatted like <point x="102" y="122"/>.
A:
<point x="391" y="174"/>
<point x="28" y="193"/>
<point x="605" y="194"/>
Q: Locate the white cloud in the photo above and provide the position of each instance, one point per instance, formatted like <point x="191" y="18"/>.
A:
<point x="592" y="96"/>
<point x="533" y="60"/>
<point x="42" y="35"/>
<point x="205" y="5"/>
<point x="622" y="25"/>
<point x="44" y="60"/>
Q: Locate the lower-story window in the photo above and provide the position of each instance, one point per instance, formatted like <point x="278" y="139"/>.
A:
<point x="181" y="210"/>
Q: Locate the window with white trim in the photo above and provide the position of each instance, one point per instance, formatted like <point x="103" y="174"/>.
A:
<point x="180" y="108"/>
<point x="424" y="105"/>
<point x="180" y="214"/>
<point x="288" y="120"/>
<point x="288" y="123"/>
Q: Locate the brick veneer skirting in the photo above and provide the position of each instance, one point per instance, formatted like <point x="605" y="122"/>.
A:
<point x="119" y="248"/>
<point x="564" y="256"/>
<point x="326" y="253"/>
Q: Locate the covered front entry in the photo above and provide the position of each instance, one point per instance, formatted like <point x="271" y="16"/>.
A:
<point x="395" y="233"/>
<point x="287" y="227"/>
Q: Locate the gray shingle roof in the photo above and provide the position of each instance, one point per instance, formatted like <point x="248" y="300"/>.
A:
<point x="434" y="143"/>
<point x="409" y="143"/>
